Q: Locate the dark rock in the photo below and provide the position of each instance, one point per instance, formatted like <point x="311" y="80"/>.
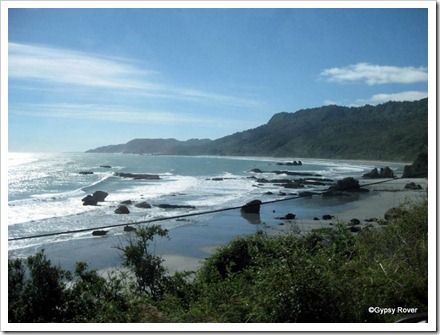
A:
<point x="256" y="171"/>
<point x="137" y="176"/>
<point x="412" y="186"/>
<point x="327" y="217"/>
<point x="394" y="213"/>
<point x="128" y="228"/>
<point x="127" y="202"/>
<point x="372" y="174"/>
<point x="385" y="172"/>
<point x="85" y="172"/>
<point x="89" y="200"/>
<point x="100" y="195"/>
<point x="355" y="229"/>
<point x="307" y="194"/>
<point x="252" y="207"/>
<point x="106" y="166"/>
<point x="316" y="219"/>
<point x="122" y="210"/>
<point x="354" y="222"/>
<point x="168" y="206"/>
<point x="346" y="185"/>
<point x="419" y="168"/>
<point x="99" y="232"/>
<point x="143" y="204"/>
<point x="288" y="216"/>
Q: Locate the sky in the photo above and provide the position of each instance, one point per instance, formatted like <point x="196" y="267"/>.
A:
<point x="79" y="78"/>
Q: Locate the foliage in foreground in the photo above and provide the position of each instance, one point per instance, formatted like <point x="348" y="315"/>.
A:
<point x="330" y="275"/>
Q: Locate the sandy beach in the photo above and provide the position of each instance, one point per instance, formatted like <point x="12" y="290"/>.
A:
<point x="190" y="244"/>
<point x="363" y="206"/>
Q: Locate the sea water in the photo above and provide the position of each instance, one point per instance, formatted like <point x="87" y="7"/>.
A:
<point x="45" y="191"/>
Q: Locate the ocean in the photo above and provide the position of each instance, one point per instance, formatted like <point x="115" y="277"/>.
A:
<point x="45" y="192"/>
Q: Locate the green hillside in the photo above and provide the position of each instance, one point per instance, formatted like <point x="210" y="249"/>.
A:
<point x="392" y="131"/>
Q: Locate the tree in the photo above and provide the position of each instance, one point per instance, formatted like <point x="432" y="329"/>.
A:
<point x="147" y="267"/>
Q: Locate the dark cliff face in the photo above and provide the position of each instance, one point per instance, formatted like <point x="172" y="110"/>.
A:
<point x="391" y="131"/>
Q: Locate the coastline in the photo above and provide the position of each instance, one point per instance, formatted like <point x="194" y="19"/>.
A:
<point x="366" y="206"/>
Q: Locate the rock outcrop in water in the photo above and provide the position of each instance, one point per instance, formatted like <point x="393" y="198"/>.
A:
<point x="92" y="200"/>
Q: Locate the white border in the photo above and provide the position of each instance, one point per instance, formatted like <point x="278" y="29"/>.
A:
<point x="432" y="91"/>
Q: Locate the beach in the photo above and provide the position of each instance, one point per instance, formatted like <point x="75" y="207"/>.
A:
<point x="364" y="207"/>
<point x="189" y="245"/>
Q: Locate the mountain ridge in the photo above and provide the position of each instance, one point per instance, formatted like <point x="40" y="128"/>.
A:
<point x="390" y="131"/>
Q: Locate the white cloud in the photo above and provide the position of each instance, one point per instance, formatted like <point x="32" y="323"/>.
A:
<point x="82" y="72"/>
<point x="375" y="74"/>
<point x="385" y="97"/>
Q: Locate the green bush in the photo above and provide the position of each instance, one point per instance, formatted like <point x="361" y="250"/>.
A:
<point x="329" y="275"/>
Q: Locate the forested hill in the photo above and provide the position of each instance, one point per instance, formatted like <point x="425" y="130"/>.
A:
<point x="392" y="131"/>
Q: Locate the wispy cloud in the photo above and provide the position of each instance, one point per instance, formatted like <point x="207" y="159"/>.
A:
<point x="88" y="72"/>
<point x="371" y="74"/>
<point x="385" y="97"/>
<point x="111" y="113"/>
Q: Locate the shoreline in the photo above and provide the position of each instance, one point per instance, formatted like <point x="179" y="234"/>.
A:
<point x="189" y="245"/>
<point x="374" y="204"/>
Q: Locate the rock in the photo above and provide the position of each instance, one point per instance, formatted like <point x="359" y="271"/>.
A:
<point x="89" y="200"/>
<point x="137" y="176"/>
<point x="122" y="209"/>
<point x="316" y="218"/>
<point x="252" y="207"/>
<point x="127" y="202"/>
<point x="419" y="168"/>
<point x="99" y="232"/>
<point x="128" y="228"/>
<point x="256" y="171"/>
<point x="394" y="213"/>
<point x="168" y="206"/>
<point x="288" y="216"/>
<point x="143" y="204"/>
<point x="355" y="229"/>
<point x="85" y="172"/>
<point x="385" y="172"/>
<point x="412" y="186"/>
<point x="106" y="166"/>
<point x="372" y="174"/>
<point x="343" y="187"/>
<point x="354" y="222"/>
<point x="100" y="195"/>
<point x="327" y="217"/>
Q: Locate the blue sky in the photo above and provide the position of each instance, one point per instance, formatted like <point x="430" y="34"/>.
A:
<point x="83" y="78"/>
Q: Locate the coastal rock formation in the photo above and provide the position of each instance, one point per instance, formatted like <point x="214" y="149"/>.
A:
<point x="143" y="204"/>
<point x="99" y="232"/>
<point x="419" y="168"/>
<point x="385" y="172"/>
<point x="137" y="175"/>
<point x="294" y="163"/>
<point x="100" y="195"/>
<point x="288" y="216"/>
<point x="89" y="200"/>
<point x="394" y="213"/>
<point x="105" y="166"/>
<point x="92" y="200"/>
<point x="85" y="172"/>
<point x="168" y="206"/>
<point x="252" y="207"/>
<point x="128" y="228"/>
<point x="122" y="210"/>
<point x="343" y="187"/>
<point x="412" y="186"/>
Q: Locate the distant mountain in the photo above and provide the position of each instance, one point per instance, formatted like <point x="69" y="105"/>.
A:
<point x="154" y="147"/>
<point x="392" y="131"/>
